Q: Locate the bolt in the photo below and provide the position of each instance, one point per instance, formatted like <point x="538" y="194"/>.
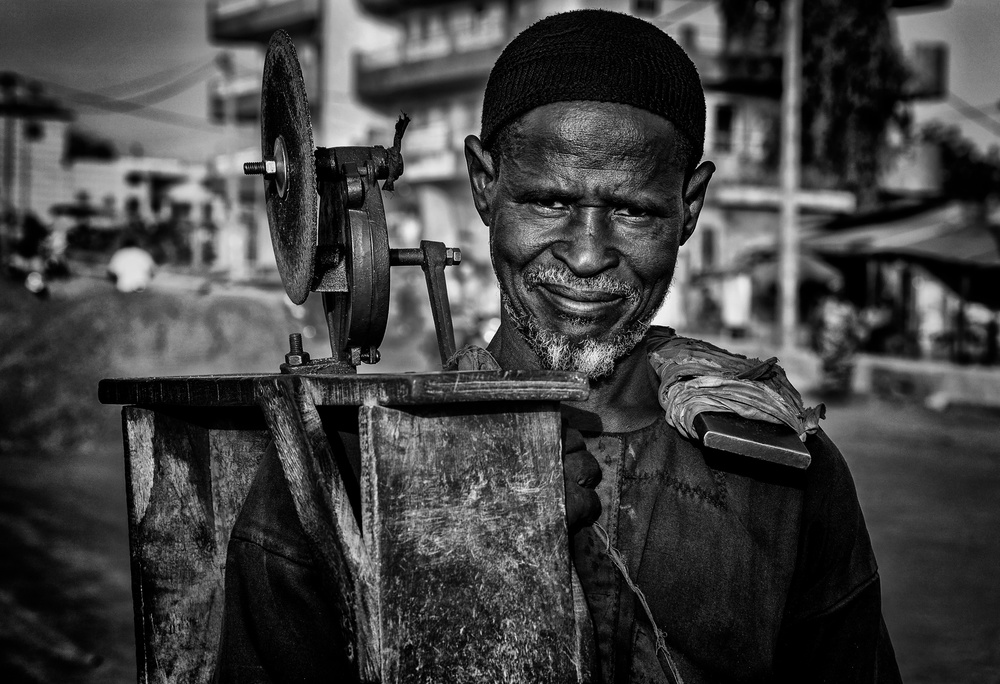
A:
<point x="453" y="256"/>
<point x="371" y="355"/>
<point x="295" y="355"/>
<point x="267" y="167"/>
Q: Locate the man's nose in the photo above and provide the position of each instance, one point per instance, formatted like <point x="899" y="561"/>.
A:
<point x="587" y="244"/>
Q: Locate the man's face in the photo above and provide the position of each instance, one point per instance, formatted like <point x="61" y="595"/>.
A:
<point x="586" y="216"/>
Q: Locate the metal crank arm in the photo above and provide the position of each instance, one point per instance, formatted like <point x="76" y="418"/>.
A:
<point x="432" y="257"/>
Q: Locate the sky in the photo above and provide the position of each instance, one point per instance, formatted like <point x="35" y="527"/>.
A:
<point x="117" y="48"/>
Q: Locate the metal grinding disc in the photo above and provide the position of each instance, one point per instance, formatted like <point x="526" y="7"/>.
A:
<point x="290" y="195"/>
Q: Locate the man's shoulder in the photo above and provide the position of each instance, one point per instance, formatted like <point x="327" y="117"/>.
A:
<point x="696" y="376"/>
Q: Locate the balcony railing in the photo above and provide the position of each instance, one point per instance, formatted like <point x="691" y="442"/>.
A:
<point x="256" y="20"/>
<point x="386" y="77"/>
<point x="387" y="8"/>
<point x="436" y="46"/>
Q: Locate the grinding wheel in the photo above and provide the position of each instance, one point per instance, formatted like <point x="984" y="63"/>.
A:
<point x="290" y="195"/>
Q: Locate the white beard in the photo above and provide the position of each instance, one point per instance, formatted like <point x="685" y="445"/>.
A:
<point x="557" y="351"/>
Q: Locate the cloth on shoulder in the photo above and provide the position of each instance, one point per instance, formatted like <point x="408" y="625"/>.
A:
<point x="696" y="377"/>
<point x="472" y="358"/>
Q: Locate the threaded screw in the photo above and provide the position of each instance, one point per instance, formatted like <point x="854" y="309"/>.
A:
<point x="295" y="355"/>
<point x="267" y="167"/>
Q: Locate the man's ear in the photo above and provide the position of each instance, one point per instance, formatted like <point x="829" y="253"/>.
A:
<point x="482" y="175"/>
<point x="694" y="197"/>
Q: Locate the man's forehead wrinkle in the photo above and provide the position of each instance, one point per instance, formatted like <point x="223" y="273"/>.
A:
<point x="599" y="168"/>
<point x="602" y="132"/>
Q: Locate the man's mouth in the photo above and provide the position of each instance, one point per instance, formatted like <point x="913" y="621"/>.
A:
<point x="577" y="301"/>
<point x="579" y="298"/>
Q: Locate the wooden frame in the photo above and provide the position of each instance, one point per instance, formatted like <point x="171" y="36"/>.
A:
<point x="461" y="478"/>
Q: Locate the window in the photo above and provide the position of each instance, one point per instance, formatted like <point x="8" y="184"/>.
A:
<point x="646" y="7"/>
<point x="708" y="248"/>
<point x="722" y="139"/>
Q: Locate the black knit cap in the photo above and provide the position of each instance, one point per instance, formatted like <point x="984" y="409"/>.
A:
<point x="595" y="55"/>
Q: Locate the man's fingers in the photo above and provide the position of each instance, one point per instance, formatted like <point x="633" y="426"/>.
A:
<point x="580" y="467"/>
<point x="583" y="507"/>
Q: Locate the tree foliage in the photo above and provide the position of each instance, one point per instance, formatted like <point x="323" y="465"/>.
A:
<point x="854" y="79"/>
<point x="968" y="174"/>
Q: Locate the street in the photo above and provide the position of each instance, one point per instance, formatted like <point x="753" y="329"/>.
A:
<point x="927" y="481"/>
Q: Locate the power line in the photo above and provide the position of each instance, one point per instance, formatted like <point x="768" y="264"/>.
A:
<point x="179" y="85"/>
<point x="678" y="13"/>
<point x="148" y="81"/>
<point x="975" y="114"/>
<point x="132" y="108"/>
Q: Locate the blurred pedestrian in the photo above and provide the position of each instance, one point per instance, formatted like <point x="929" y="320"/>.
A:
<point x="836" y="335"/>
<point x="131" y="268"/>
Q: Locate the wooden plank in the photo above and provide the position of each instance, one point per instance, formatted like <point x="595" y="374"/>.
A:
<point x="324" y="510"/>
<point x="351" y="390"/>
<point x="467" y="520"/>
<point x="185" y="481"/>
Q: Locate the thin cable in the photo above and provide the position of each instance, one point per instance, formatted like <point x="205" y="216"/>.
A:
<point x="149" y="80"/>
<point x="96" y="101"/>
<point x="678" y="13"/>
<point x="975" y="114"/>
<point x="178" y="85"/>
<point x="661" y="645"/>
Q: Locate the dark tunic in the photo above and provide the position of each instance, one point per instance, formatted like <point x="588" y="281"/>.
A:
<point x="754" y="573"/>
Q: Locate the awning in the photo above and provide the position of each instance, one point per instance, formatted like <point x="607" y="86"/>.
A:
<point x="762" y="264"/>
<point x="945" y="241"/>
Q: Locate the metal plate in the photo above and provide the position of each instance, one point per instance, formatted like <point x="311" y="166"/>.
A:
<point x="753" y="438"/>
<point x="292" y="215"/>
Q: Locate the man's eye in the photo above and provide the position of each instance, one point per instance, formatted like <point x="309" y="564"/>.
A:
<point x="634" y="212"/>
<point x="549" y="205"/>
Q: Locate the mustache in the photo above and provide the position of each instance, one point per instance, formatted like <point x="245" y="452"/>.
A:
<point x="553" y="275"/>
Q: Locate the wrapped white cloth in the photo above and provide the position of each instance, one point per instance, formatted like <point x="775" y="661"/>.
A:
<point x="696" y="376"/>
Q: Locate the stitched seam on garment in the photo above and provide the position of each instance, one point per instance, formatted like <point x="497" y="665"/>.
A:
<point x="840" y="603"/>
<point x="693" y="491"/>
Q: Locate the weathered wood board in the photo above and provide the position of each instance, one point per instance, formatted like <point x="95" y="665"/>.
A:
<point x="467" y="526"/>
<point x="187" y="476"/>
<point x="477" y="451"/>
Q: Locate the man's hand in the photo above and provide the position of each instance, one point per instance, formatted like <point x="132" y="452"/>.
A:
<point x="582" y="473"/>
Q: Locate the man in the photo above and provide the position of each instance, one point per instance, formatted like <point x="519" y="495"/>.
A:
<point x="700" y="568"/>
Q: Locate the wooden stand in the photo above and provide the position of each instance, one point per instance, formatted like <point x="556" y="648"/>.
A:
<point x="459" y="570"/>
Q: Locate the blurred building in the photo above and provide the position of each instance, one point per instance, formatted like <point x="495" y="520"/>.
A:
<point x="65" y="176"/>
<point x="436" y="70"/>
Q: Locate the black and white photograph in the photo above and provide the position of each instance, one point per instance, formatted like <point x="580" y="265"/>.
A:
<point x="500" y="341"/>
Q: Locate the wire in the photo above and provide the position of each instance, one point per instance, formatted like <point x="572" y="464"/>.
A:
<point x="149" y="80"/>
<point x="975" y="114"/>
<point x="178" y="85"/>
<point x="678" y="13"/>
<point x="138" y="109"/>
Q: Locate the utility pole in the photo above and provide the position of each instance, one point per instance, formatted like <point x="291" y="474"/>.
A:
<point x="790" y="160"/>
<point x="8" y="92"/>
<point x="329" y="63"/>
<point x="232" y="238"/>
